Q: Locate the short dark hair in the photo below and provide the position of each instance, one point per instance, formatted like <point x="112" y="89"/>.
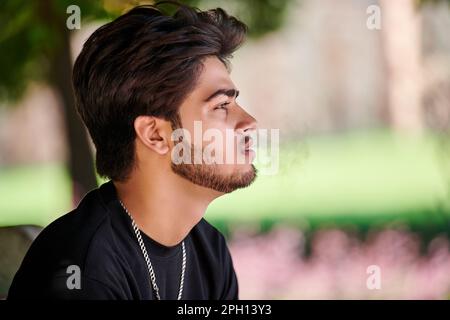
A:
<point x="145" y="62"/>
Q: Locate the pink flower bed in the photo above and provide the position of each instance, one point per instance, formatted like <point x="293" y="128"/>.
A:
<point x="274" y="266"/>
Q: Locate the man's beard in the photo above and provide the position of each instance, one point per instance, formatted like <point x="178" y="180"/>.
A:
<point x="208" y="175"/>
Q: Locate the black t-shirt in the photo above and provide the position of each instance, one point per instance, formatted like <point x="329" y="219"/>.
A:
<point x="96" y="241"/>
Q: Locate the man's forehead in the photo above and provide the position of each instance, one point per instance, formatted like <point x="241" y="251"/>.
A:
<point x="215" y="75"/>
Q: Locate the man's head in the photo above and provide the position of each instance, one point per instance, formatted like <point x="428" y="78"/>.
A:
<point x="146" y="74"/>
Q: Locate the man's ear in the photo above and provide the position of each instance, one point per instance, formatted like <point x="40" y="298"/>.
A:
<point x="153" y="132"/>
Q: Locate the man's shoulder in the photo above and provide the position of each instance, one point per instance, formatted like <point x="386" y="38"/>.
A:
<point x="208" y="230"/>
<point x="210" y="237"/>
<point x="76" y="228"/>
<point x="82" y="239"/>
<point x="218" y="257"/>
<point x="68" y="240"/>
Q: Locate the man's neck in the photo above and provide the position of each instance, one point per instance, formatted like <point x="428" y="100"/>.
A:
<point x="164" y="205"/>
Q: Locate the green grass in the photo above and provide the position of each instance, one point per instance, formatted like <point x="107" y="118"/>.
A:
<point x="33" y="194"/>
<point x="367" y="176"/>
<point x="362" y="175"/>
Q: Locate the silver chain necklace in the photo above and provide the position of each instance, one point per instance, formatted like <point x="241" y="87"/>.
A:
<point x="147" y="259"/>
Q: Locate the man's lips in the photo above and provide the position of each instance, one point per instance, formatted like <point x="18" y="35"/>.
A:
<point x="247" y="148"/>
<point x="248" y="143"/>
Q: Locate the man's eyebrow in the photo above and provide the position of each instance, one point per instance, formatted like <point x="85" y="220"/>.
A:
<point x="228" y="92"/>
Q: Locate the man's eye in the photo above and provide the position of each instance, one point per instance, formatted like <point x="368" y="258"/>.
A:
<point x="222" y="106"/>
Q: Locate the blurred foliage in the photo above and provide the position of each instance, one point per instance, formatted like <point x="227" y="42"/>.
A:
<point x="261" y="16"/>
<point x="30" y="35"/>
<point x="421" y="2"/>
<point x="31" y="31"/>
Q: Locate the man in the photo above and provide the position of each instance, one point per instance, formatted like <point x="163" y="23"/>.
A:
<point x="142" y="235"/>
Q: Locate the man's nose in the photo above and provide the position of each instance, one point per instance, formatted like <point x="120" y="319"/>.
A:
<point x="247" y="124"/>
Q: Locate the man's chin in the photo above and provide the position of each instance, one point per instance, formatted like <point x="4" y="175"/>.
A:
<point x="211" y="176"/>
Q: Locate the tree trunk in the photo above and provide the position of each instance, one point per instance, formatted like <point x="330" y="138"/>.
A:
<point x="401" y="40"/>
<point x="80" y="161"/>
